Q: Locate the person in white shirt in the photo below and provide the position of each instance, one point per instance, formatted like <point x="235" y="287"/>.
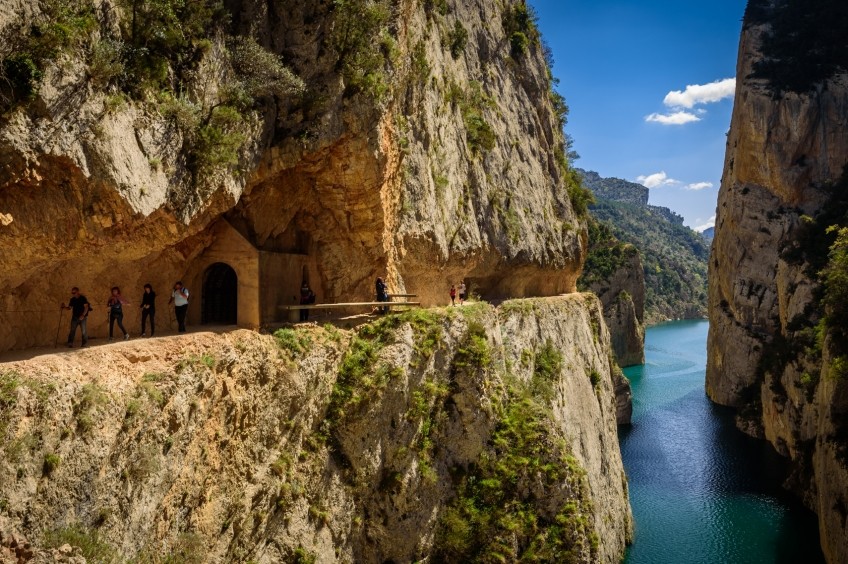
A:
<point x="179" y="297"/>
<point x="461" y="292"/>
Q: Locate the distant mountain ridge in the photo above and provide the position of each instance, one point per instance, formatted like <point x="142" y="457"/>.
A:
<point x="674" y="257"/>
<point x="620" y="190"/>
<point x="614" y="189"/>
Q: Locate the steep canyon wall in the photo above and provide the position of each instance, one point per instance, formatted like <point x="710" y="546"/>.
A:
<point x="770" y="354"/>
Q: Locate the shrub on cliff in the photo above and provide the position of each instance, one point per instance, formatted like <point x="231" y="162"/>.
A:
<point x="805" y="43"/>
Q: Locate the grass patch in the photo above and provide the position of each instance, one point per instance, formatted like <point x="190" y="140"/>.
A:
<point x="547" y="367"/>
<point x="51" y="463"/>
<point x="294" y="341"/>
<point x="94" y="549"/>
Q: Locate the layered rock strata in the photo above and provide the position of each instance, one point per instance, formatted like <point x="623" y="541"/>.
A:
<point x="322" y="443"/>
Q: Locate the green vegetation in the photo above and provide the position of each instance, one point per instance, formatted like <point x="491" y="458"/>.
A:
<point x="519" y="23"/>
<point x="495" y="516"/>
<point x="295" y="341"/>
<point x="547" y="368"/>
<point x="472" y="103"/>
<point x="805" y="44"/>
<point x="94" y="549"/>
<point x="303" y="556"/>
<point x="51" y="462"/>
<point x="358" y="26"/>
<point x="607" y="255"/>
<point x="62" y="27"/>
<point x="88" y="400"/>
<point x="154" y="58"/>
<point x="362" y="377"/>
<point x="674" y="257"/>
<point x="456" y="39"/>
<point x="615" y="189"/>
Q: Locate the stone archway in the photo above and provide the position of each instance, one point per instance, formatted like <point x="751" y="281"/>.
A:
<point x="220" y="295"/>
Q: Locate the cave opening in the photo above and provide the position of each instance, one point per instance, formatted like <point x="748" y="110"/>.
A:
<point x="220" y="295"/>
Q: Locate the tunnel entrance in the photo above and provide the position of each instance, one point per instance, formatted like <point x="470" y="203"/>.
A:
<point x="220" y="295"/>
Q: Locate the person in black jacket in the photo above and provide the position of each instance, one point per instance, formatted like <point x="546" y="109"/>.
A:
<point x="148" y="309"/>
<point x="79" y="307"/>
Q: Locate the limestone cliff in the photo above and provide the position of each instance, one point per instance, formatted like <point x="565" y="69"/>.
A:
<point x="614" y="272"/>
<point x="414" y="140"/>
<point x="459" y="434"/>
<point x="772" y="351"/>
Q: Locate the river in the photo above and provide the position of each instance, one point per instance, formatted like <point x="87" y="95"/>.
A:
<point x="701" y="491"/>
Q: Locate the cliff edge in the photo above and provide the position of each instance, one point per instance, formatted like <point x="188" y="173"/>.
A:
<point x="459" y="434"/>
<point x="775" y="348"/>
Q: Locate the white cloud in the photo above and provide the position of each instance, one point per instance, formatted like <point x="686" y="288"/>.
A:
<point x="698" y="186"/>
<point x="656" y="180"/>
<point x="710" y="223"/>
<point x="701" y="94"/>
<point x="677" y="118"/>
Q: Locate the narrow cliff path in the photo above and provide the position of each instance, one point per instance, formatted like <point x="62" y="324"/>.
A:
<point x="98" y="340"/>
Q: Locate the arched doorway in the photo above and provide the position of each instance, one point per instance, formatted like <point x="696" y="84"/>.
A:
<point x="220" y="295"/>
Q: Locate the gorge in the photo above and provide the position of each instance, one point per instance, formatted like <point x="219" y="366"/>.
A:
<point x="246" y="147"/>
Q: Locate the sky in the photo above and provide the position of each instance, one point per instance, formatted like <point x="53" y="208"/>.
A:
<point x="650" y="86"/>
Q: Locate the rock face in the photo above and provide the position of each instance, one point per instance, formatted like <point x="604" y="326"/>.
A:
<point x="323" y="443"/>
<point x="614" y="272"/>
<point x="623" y="297"/>
<point x="447" y="165"/>
<point x="783" y="152"/>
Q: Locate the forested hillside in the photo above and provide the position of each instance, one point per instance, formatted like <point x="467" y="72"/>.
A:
<point x="674" y="256"/>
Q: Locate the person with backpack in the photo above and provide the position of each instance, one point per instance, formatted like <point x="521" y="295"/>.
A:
<point x="461" y="292"/>
<point x="179" y="297"/>
<point x="79" y="306"/>
<point x="116" y="312"/>
<point x="148" y="309"/>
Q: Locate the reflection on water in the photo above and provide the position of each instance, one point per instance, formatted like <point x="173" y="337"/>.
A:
<point x="702" y="491"/>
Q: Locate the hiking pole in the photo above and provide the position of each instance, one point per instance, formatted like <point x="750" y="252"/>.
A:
<point x="58" y="327"/>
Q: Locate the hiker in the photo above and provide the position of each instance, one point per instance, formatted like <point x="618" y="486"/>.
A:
<point x="79" y="306"/>
<point x="148" y="309"/>
<point x="116" y="312"/>
<point x="453" y="294"/>
<point x="382" y="293"/>
<point x="461" y="292"/>
<point x="307" y="297"/>
<point x="179" y="297"/>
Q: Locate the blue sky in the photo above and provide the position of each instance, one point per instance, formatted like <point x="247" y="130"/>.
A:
<point x="624" y="67"/>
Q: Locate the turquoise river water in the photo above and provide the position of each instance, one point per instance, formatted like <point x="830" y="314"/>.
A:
<point x="701" y="491"/>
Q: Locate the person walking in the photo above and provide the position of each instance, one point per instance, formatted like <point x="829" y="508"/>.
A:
<point x="461" y="292"/>
<point x="179" y="297"/>
<point x="79" y="306"/>
<point x="148" y="309"/>
<point x="453" y="294"/>
<point x="116" y="312"/>
<point x="382" y="293"/>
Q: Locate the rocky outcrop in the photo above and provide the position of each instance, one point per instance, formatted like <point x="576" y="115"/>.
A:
<point x="358" y="446"/>
<point x="785" y="149"/>
<point x="614" y="272"/>
<point x="445" y="162"/>
<point x="623" y="297"/>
